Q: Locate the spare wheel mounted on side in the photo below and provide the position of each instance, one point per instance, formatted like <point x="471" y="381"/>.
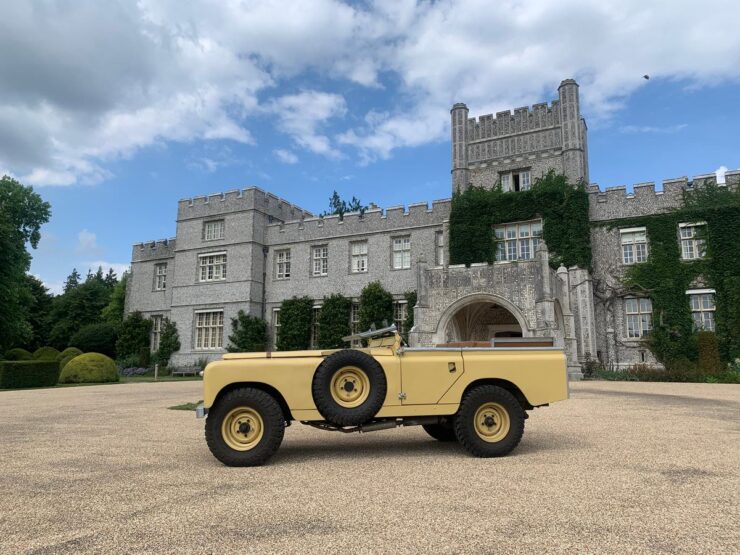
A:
<point x="349" y="387"/>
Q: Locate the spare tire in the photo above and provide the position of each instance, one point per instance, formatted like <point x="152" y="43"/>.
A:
<point x="349" y="387"/>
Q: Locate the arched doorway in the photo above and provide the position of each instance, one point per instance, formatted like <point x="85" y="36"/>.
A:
<point x="480" y="317"/>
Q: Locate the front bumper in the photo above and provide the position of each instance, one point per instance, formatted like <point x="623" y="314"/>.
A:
<point x="201" y="411"/>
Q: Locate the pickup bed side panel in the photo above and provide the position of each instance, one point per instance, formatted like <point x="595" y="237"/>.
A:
<point x="540" y="375"/>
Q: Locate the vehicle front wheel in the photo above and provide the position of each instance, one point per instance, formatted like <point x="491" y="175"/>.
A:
<point x="490" y="422"/>
<point x="440" y="432"/>
<point x="245" y="427"/>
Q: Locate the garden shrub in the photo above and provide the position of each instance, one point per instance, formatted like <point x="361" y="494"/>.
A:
<point x="709" y="361"/>
<point x="89" y="368"/>
<point x="18" y="354"/>
<point x="46" y="353"/>
<point x="410" y="297"/>
<point x="334" y="322"/>
<point x="295" y="324"/>
<point x="248" y="334"/>
<point x="65" y="360"/>
<point x="376" y="307"/>
<point x="96" y="338"/>
<point x="169" y="342"/>
<point x="134" y="337"/>
<point x="28" y="373"/>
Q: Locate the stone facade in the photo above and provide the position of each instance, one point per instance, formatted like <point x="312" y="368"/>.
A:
<point x="230" y="251"/>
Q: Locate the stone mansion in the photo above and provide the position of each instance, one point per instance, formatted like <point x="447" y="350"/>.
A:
<point x="249" y="250"/>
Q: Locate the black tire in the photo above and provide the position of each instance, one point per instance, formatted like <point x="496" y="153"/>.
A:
<point x="440" y="432"/>
<point x="371" y="392"/>
<point x="489" y="401"/>
<point x="250" y="401"/>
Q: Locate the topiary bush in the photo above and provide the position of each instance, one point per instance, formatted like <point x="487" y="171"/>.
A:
<point x="46" y="353"/>
<point x="18" y="354"/>
<point x="376" y="306"/>
<point x="89" y="368"/>
<point x="96" y="338"/>
<point x="334" y="322"/>
<point x="69" y="351"/>
<point x="248" y="334"/>
<point x="295" y="324"/>
<point x="28" y="373"/>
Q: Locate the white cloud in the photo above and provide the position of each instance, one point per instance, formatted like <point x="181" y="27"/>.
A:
<point x="87" y="242"/>
<point x="653" y="129"/>
<point x="166" y="70"/>
<point x="720" y="173"/>
<point x="301" y="115"/>
<point x="285" y="156"/>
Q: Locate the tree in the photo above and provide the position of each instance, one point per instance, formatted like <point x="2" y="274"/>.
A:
<point x="295" y="324"/>
<point x="334" y="322"/>
<point x="39" y="313"/>
<point x="339" y="206"/>
<point x="72" y="281"/>
<point x="134" y="337"/>
<point x="376" y="306"/>
<point x="111" y="279"/>
<point x="249" y="334"/>
<point x="79" y="306"/>
<point x="113" y="311"/>
<point x="96" y="338"/>
<point x="169" y="342"/>
<point x="22" y="213"/>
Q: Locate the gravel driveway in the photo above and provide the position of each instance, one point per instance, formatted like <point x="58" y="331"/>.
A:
<point x="619" y="467"/>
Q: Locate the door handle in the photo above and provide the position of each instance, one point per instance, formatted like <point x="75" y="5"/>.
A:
<point x="451" y="367"/>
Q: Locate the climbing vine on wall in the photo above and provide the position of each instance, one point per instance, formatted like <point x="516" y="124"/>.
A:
<point x="665" y="277"/>
<point x="563" y="208"/>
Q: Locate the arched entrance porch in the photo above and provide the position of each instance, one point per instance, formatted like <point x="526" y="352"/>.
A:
<point x="480" y="317"/>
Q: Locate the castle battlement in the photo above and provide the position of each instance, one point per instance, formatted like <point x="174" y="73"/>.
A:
<point x="617" y="202"/>
<point x="526" y="118"/>
<point x="152" y="250"/>
<point x="374" y="220"/>
<point x="251" y="198"/>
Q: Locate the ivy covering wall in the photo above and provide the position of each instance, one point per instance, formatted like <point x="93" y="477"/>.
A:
<point x="665" y="277"/>
<point x="562" y="206"/>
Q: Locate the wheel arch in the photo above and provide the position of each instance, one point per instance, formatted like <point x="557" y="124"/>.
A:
<point x="504" y="384"/>
<point x="262" y="387"/>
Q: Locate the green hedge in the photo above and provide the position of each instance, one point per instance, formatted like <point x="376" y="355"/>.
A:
<point x="69" y="351"/>
<point x="89" y="368"/>
<point x="334" y="322"/>
<point x="376" y="307"/>
<point x="96" y="338"/>
<point x="28" y="373"/>
<point x="18" y="354"/>
<point x="295" y="324"/>
<point x="248" y="334"/>
<point x="46" y="353"/>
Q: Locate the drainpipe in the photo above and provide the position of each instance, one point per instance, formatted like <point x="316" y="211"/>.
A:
<point x="264" y="281"/>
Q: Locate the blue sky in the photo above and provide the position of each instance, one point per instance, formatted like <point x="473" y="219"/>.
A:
<point x="114" y="112"/>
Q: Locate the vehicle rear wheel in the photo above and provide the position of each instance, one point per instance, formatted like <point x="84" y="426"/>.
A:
<point x="349" y="387"/>
<point x="440" y="432"/>
<point x="490" y="422"/>
<point x="245" y="427"/>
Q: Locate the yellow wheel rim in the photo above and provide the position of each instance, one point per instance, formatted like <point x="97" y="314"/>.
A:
<point x="491" y="422"/>
<point x="242" y="429"/>
<point x="349" y="387"/>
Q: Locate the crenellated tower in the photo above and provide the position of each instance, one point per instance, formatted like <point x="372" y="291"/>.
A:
<point x="516" y="148"/>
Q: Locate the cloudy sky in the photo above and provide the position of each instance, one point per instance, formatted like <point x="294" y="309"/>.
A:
<point x="114" y="110"/>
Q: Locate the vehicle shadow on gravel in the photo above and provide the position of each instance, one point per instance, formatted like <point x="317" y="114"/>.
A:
<point x="299" y="451"/>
